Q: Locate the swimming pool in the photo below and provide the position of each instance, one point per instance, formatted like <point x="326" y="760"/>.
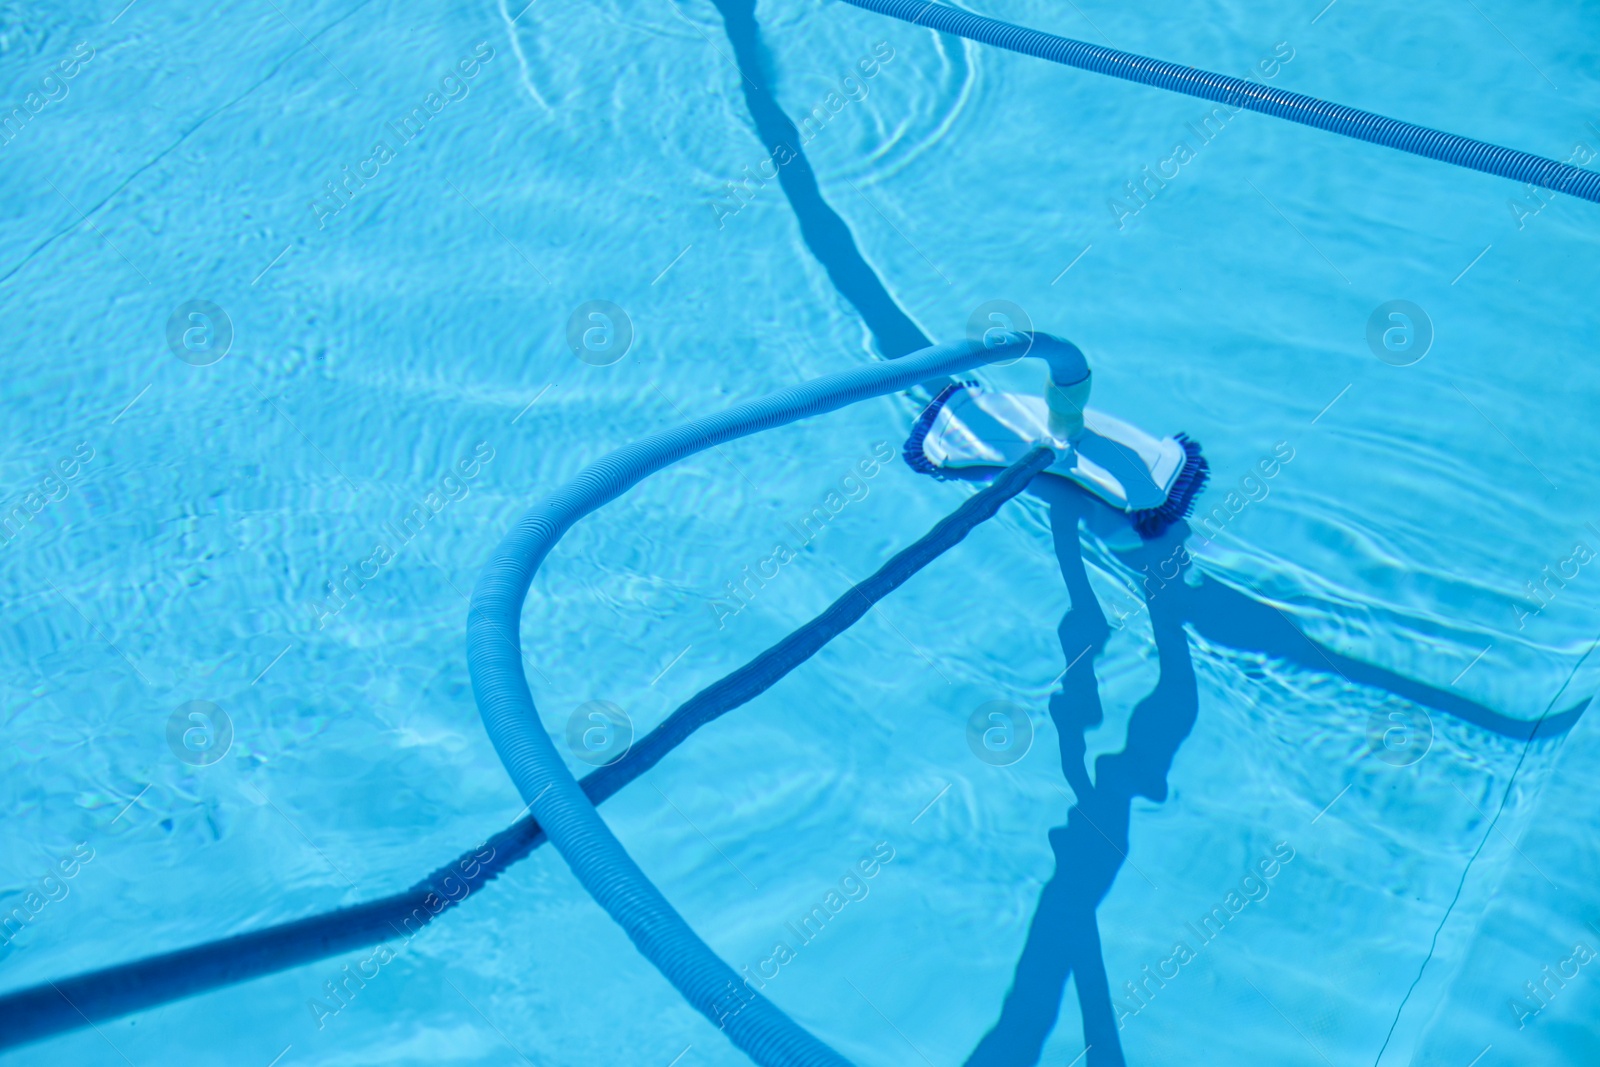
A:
<point x="1331" y="694"/>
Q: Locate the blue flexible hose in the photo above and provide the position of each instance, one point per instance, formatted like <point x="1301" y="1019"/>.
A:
<point x="82" y="1000"/>
<point x="753" y="1023"/>
<point x="1237" y="92"/>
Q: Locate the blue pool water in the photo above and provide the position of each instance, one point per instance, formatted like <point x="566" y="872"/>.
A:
<point x="1322" y="728"/>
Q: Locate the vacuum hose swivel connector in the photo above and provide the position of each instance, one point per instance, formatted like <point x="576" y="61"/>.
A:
<point x="1066" y="402"/>
<point x="1066" y="389"/>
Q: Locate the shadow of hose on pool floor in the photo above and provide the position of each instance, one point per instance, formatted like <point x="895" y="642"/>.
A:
<point x="1064" y="937"/>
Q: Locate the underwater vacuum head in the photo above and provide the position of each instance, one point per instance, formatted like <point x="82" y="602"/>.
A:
<point x="1153" y="480"/>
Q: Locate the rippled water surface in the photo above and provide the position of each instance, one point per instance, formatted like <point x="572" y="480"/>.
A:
<point x="1285" y="802"/>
